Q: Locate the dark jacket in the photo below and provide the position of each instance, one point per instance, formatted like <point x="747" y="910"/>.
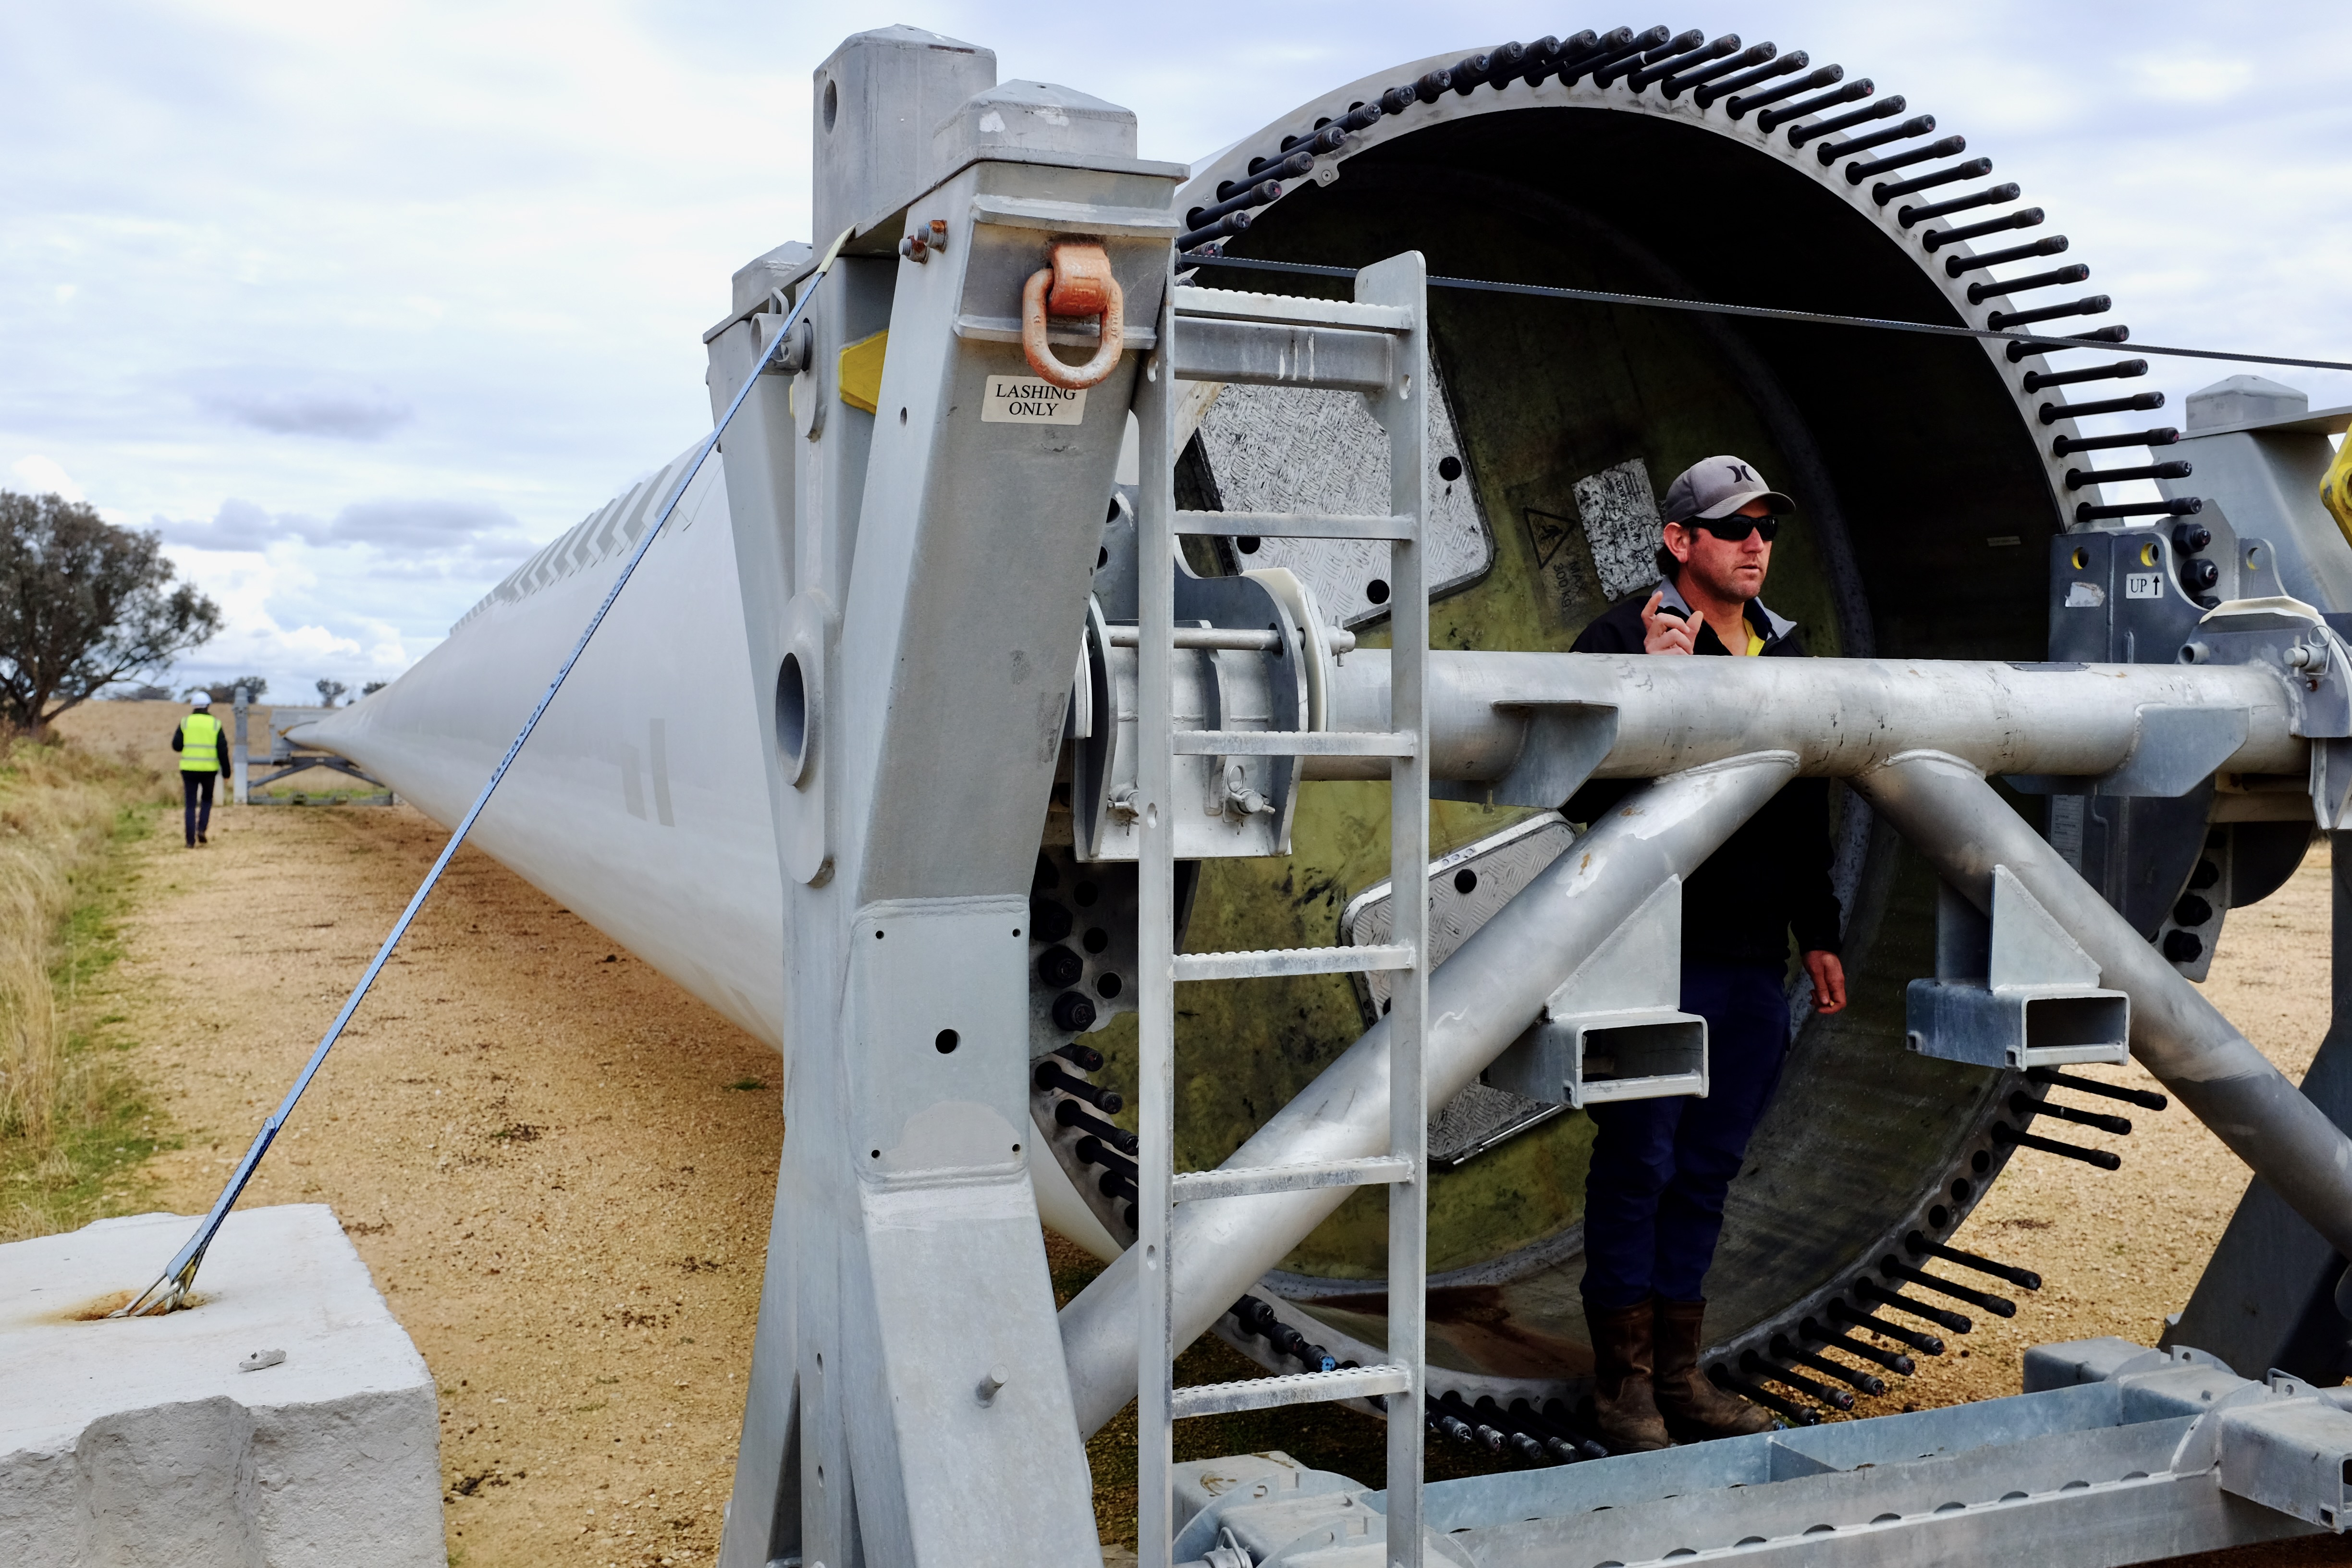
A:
<point x="180" y="739"/>
<point x="1772" y="875"/>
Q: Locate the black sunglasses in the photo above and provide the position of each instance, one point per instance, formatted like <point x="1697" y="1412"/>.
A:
<point x="1732" y="530"/>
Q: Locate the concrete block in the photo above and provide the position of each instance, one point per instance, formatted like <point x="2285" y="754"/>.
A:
<point x="143" y="1442"/>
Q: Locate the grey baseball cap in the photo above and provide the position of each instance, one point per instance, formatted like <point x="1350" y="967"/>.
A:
<point x="1717" y="486"/>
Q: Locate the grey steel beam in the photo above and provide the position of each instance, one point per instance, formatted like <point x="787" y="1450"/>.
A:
<point x="1493" y="714"/>
<point x="1480" y="1000"/>
<point x="1945" y="809"/>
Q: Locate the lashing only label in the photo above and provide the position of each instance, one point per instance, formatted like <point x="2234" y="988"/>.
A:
<point x="1026" y="400"/>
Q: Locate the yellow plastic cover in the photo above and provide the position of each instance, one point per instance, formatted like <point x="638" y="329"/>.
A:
<point x="861" y="372"/>
<point x="2335" y="490"/>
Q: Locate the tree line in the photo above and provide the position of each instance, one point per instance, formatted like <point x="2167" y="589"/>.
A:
<point x="86" y="605"/>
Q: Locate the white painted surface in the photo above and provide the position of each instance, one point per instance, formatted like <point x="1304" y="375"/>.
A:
<point x="641" y="803"/>
<point x="141" y="1441"/>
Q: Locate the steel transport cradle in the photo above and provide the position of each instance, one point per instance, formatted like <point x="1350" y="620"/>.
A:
<point x="964" y="609"/>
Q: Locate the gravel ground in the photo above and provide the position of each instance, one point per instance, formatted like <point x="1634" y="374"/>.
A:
<point x="559" y="1167"/>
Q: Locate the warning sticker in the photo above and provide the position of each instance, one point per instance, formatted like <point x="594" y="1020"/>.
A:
<point x="1026" y="400"/>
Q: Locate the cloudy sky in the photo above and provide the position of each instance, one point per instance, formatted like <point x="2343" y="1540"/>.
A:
<point x="357" y="303"/>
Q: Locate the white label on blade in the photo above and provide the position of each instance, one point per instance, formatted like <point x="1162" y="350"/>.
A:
<point x="1026" y="400"/>
<point x="2081" y="596"/>
<point x="2143" y="585"/>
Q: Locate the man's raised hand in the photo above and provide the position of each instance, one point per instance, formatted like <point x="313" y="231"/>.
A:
<point x="1662" y="631"/>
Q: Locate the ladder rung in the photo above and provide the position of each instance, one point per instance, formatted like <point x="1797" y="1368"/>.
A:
<point x="1266" y="963"/>
<point x="1250" y="1180"/>
<point x="1291" y="525"/>
<point x="1288" y="1388"/>
<point x="1235" y="305"/>
<point x="1296" y="742"/>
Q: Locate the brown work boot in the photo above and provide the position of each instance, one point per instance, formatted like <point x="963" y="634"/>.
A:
<point x="1623" y="1407"/>
<point x="1693" y="1408"/>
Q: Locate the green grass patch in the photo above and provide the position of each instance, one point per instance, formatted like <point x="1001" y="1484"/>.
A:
<point x="75" y="1127"/>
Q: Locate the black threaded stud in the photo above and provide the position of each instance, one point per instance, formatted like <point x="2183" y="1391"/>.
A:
<point x="1955" y="265"/>
<point x="1935" y="239"/>
<point x="1807" y="83"/>
<point x="1985" y="288"/>
<point x="1908" y="216"/>
<point x="1857" y="173"/>
<point x="1828" y="152"/>
<point x="2118" y="370"/>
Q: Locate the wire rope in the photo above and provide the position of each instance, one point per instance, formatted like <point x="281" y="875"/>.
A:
<point x="170" y="1290"/>
<point x="1765" y="312"/>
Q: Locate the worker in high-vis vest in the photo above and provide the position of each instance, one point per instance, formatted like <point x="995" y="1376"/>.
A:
<point x="202" y="746"/>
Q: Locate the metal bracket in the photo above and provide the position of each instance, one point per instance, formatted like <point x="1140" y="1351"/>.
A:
<point x="2014" y="991"/>
<point x="1564" y="742"/>
<point x="1615" y="1030"/>
<point x="2177" y="749"/>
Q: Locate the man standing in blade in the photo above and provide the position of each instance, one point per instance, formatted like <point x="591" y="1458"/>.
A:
<point x="202" y="746"/>
<point x="1661" y="1168"/>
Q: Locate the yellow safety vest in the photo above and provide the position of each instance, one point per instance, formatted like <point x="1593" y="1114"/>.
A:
<point x="200" y="744"/>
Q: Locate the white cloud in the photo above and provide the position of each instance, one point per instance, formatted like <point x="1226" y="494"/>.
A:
<point x="2196" y="77"/>
<point x="44" y="475"/>
<point x="359" y="303"/>
<point x="355" y="416"/>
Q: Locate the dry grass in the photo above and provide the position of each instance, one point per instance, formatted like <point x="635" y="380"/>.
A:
<point x="64" y="811"/>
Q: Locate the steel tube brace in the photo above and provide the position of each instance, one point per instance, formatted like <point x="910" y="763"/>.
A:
<point x="1839" y="716"/>
<point x="1945" y="808"/>
<point x="1480" y="1000"/>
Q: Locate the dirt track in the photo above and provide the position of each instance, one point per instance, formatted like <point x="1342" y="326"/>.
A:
<point x="559" y="1171"/>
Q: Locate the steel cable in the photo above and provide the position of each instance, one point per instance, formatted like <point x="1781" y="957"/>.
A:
<point x="1765" y="312"/>
<point x="170" y="1290"/>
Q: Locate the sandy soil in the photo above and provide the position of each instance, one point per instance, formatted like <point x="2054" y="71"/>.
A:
<point x="2106" y="1269"/>
<point x="560" y="1169"/>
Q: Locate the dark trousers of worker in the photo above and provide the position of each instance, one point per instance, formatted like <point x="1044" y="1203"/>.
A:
<point x="196" y="797"/>
<point x="1653" y="1201"/>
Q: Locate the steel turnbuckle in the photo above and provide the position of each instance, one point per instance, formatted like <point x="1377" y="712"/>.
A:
<point x="1078" y="283"/>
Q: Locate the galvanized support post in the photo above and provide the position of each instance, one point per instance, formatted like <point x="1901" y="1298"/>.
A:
<point x="1155" y="1344"/>
<point x="908" y="1402"/>
<point x="241" y="791"/>
<point x="1402" y="410"/>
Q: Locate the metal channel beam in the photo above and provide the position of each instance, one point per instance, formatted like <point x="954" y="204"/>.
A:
<point x="2116" y="1455"/>
<point x="1479" y="1001"/>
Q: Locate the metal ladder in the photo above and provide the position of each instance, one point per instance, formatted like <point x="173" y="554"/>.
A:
<point x="1377" y="344"/>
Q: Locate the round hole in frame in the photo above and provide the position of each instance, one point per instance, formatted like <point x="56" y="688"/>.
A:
<point x="1449" y="467"/>
<point x="792" y="718"/>
<point x="947" y="1041"/>
<point x="1376" y="591"/>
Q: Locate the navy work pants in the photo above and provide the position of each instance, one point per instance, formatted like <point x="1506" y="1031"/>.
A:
<point x="1654" y="1202"/>
<point x="196" y="798"/>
